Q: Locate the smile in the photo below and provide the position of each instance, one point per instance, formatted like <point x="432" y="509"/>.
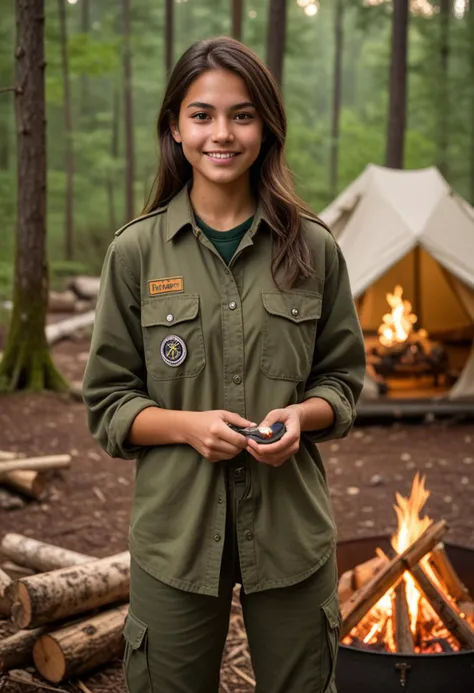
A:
<point x="221" y="155"/>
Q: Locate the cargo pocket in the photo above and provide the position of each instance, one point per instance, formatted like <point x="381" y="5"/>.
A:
<point x="289" y="333"/>
<point x="331" y="630"/>
<point x="135" y="656"/>
<point x="172" y="336"/>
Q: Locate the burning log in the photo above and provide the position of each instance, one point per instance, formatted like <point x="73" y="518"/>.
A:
<point x="5" y="602"/>
<point x="444" y="570"/>
<point x="47" y="597"/>
<point x="17" y="650"/>
<point x="80" y="647"/>
<point x="403" y="634"/>
<point x="357" y="577"/>
<point x="35" y="463"/>
<point x="453" y="621"/>
<point x="38" y="555"/>
<point x="368" y="595"/>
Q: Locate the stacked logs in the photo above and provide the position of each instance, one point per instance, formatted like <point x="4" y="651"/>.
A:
<point x="28" y="476"/>
<point x="362" y="587"/>
<point x="69" y="618"/>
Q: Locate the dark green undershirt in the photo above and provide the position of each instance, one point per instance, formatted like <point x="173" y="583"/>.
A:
<point x="225" y="242"/>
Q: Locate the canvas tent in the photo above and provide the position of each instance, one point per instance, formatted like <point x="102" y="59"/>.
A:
<point x="410" y="228"/>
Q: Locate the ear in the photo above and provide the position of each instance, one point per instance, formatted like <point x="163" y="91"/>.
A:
<point x="175" y="131"/>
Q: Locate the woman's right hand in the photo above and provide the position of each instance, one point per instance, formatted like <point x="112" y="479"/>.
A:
<point x="208" y="433"/>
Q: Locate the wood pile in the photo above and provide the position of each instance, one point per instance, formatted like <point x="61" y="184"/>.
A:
<point x="27" y="476"/>
<point x="79" y="297"/>
<point x="69" y="618"/>
<point x="361" y="588"/>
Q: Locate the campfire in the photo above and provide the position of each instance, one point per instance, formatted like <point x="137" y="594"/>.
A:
<point x="411" y="601"/>
<point x="404" y="351"/>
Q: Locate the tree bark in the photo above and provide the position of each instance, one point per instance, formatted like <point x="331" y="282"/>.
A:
<point x="128" y="112"/>
<point x="398" y="81"/>
<point x="5" y="602"/>
<point x="17" y="650"/>
<point x="85" y="28"/>
<point x="69" y="151"/>
<point x="78" y="648"/>
<point x="38" y="555"/>
<point x="336" y="100"/>
<point x="59" y="594"/>
<point x="27" y="363"/>
<point x="443" y="113"/>
<point x="237" y="7"/>
<point x="114" y="152"/>
<point x="276" y="36"/>
<point x="169" y="36"/>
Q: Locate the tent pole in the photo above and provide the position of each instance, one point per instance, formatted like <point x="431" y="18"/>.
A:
<point x="417" y="286"/>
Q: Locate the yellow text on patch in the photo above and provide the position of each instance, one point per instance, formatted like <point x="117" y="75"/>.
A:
<point x="165" y="286"/>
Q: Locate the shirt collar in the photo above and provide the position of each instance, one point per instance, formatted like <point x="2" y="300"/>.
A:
<point x="180" y="214"/>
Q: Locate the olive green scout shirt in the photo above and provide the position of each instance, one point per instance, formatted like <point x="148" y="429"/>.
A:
<point x="178" y="328"/>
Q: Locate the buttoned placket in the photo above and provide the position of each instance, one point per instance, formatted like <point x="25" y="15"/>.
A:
<point x="234" y="400"/>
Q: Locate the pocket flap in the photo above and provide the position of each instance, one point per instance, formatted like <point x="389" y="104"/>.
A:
<point x="134" y="631"/>
<point x="296" y="306"/>
<point x="169" y="310"/>
<point x="331" y="610"/>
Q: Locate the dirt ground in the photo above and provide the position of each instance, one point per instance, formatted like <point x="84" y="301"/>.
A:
<point x="87" y="507"/>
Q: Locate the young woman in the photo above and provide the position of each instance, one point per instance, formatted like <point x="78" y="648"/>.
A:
<point x="226" y="303"/>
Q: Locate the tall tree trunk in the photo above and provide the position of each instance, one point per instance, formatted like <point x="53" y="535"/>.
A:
<point x="27" y="363"/>
<point x="336" y="97"/>
<point x="237" y="19"/>
<point x="276" y="35"/>
<point x="114" y="152"/>
<point x="85" y="28"/>
<point x="169" y="36"/>
<point x="128" y="113"/>
<point x="398" y="82"/>
<point x="69" y="153"/>
<point x="443" y="113"/>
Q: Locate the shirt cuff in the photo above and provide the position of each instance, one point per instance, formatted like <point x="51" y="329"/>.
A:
<point x="121" y="424"/>
<point x="344" y="414"/>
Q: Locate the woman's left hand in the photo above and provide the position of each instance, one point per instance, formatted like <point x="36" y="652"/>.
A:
<point x="275" y="454"/>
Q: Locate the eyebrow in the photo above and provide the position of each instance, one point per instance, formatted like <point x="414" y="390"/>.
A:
<point x="238" y="106"/>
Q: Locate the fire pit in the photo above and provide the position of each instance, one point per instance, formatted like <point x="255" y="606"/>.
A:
<point x="366" y="671"/>
<point x="407" y="608"/>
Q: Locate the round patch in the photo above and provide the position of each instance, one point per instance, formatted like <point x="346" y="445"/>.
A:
<point x="173" y="350"/>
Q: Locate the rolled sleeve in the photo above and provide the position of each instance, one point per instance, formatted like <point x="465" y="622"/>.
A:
<point x="114" y="385"/>
<point x="338" y="368"/>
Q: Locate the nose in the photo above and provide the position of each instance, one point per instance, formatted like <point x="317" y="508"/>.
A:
<point x="222" y="131"/>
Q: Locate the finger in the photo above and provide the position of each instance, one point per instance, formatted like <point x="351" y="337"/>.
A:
<point x="272" y="449"/>
<point x="272" y="417"/>
<point x="237" y="420"/>
<point x="229" y="436"/>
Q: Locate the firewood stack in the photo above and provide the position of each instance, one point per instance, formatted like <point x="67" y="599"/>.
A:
<point x="27" y="476"/>
<point x="427" y="562"/>
<point x="69" y="617"/>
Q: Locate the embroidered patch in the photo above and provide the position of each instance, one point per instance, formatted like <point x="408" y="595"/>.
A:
<point x="173" y="350"/>
<point x="165" y="286"/>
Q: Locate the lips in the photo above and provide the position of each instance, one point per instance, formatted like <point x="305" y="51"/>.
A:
<point x="221" y="155"/>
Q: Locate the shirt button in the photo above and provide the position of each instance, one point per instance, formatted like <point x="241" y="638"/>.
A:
<point x="217" y="537"/>
<point x="232" y="305"/>
<point x="249" y="536"/>
<point x="295" y="312"/>
<point x="239" y="472"/>
<point x="220" y="500"/>
<point x="237" y="379"/>
<point x="170" y="318"/>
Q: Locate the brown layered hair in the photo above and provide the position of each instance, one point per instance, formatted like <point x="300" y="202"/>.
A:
<point x="270" y="176"/>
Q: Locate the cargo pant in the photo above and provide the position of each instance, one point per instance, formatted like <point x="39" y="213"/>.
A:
<point x="174" y="640"/>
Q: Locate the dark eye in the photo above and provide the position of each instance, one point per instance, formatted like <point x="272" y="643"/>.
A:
<point x="200" y="116"/>
<point x="244" y="116"/>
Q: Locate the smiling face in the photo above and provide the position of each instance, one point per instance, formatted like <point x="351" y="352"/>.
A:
<point x="219" y="128"/>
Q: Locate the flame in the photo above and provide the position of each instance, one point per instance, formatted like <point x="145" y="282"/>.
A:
<point x="398" y="324"/>
<point x="378" y="625"/>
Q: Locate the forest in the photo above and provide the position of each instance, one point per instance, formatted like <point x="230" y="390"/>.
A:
<point x="106" y="68"/>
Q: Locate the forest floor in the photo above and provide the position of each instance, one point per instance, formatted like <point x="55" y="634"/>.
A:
<point x="87" y="507"/>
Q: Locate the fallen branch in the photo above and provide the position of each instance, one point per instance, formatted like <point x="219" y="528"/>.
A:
<point x="45" y="462"/>
<point x="38" y="555"/>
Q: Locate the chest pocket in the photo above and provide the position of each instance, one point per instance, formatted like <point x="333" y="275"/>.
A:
<point x="289" y="333"/>
<point x="173" y="337"/>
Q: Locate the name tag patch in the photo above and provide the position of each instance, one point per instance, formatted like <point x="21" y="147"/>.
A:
<point x="165" y="286"/>
<point x="173" y="350"/>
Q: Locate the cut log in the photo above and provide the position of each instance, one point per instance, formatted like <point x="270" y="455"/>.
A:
<point x="45" y="462"/>
<point x="344" y="588"/>
<point x="61" y="301"/>
<point x="364" y="599"/>
<point x="27" y="482"/>
<point x="5" y="602"/>
<point x="17" y="650"/>
<point x="401" y="620"/>
<point x="364" y="572"/>
<point x="83" y="646"/>
<point x="444" y="570"/>
<point x="453" y="621"/>
<point x="59" y="594"/>
<point x="85" y="287"/>
<point x="38" y="555"/>
<point x="59" y="330"/>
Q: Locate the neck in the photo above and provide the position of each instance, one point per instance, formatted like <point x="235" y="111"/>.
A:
<point x="222" y="206"/>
